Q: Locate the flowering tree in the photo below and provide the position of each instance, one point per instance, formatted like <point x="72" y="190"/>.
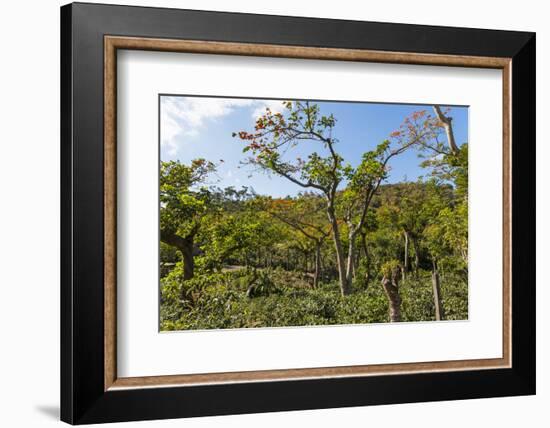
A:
<point x="440" y="221"/>
<point x="325" y="171"/>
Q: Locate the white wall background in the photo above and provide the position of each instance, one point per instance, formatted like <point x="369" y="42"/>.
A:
<point x="29" y="215"/>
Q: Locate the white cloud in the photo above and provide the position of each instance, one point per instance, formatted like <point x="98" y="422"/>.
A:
<point x="185" y="116"/>
<point x="276" y="106"/>
<point x="169" y="127"/>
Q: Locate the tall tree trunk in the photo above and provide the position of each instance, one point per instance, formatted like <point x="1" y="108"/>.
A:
<point x="317" y="265"/>
<point x="416" y="253"/>
<point x="447" y="124"/>
<point x="406" y="254"/>
<point x="349" y="262"/>
<point x="439" y="315"/>
<point x="185" y="247"/>
<point x="340" y="263"/>
<point x="366" y="252"/>
<point x="188" y="259"/>
<point x="356" y="259"/>
<point x="390" y="283"/>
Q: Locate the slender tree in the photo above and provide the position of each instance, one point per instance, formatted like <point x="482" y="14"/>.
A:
<point x="391" y="272"/>
<point x="304" y="214"/>
<point x="324" y="170"/>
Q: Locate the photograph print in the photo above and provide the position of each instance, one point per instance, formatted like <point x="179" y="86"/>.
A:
<point x="287" y="213"/>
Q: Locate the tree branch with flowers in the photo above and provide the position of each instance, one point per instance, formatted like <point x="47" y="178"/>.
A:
<point x="347" y="190"/>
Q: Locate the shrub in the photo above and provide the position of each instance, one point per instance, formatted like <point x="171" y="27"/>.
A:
<point x="281" y="298"/>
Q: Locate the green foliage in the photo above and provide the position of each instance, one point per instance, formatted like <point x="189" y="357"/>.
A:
<point x="182" y="204"/>
<point x="390" y="268"/>
<point x="256" y="258"/>
<point x="286" y="300"/>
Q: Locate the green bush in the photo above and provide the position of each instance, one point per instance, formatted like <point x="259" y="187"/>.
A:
<point x="281" y="298"/>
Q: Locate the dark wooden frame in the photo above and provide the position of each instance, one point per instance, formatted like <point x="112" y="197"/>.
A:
<point x="90" y="35"/>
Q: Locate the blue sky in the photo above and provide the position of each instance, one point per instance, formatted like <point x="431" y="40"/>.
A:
<point x="201" y="127"/>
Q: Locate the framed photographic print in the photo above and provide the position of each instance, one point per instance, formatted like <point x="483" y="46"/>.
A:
<point x="265" y="213"/>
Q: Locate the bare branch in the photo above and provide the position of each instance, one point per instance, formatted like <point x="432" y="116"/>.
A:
<point x="295" y="226"/>
<point x="447" y="124"/>
<point x="308" y="184"/>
